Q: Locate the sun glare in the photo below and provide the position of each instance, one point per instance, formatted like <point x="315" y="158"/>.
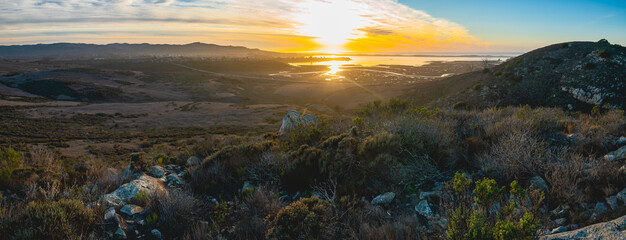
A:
<point x="332" y="23"/>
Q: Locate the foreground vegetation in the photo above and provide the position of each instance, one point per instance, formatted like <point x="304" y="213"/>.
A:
<point x="484" y="174"/>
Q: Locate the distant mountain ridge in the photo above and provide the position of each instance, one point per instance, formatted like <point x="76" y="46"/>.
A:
<point x="125" y="50"/>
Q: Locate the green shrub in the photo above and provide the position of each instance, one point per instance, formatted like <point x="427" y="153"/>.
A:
<point x="304" y="219"/>
<point x="358" y="121"/>
<point x="62" y="219"/>
<point x="485" y="70"/>
<point x="477" y="87"/>
<point x="513" y="221"/>
<point x="604" y="53"/>
<point x="487" y="192"/>
<point x="10" y="160"/>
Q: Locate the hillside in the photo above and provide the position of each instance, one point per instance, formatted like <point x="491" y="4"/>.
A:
<point x="123" y="50"/>
<point x="572" y="75"/>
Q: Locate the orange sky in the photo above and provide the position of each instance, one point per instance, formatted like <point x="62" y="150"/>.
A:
<point x="296" y="25"/>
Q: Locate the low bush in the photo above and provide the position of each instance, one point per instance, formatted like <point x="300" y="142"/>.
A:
<point x="304" y="219"/>
<point x="173" y="211"/>
<point x="62" y="219"/>
<point x="10" y="160"/>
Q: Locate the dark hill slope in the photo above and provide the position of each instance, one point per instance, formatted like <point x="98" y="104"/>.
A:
<point x="574" y="75"/>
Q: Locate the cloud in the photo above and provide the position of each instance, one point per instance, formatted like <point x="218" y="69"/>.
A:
<point x="297" y="25"/>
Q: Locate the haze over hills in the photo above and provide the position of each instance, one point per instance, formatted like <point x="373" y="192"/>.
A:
<point x="124" y="50"/>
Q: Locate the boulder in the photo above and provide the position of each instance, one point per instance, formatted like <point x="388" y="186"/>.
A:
<point x="156" y="171"/>
<point x="560" y="221"/>
<point x="538" y="183"/>
<point x="193" y="161"/>
<point x="423" y="208"/>
<point x="614" y="229"/>
<point x="384" y="198"/>
<point x="130" y="190"/>
<point x="131" y="209"/>
<point x="294" y="119"/>
<point x="616" y="155"/>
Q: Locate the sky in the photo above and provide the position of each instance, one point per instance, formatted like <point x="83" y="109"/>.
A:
<point x="331" y="26"/>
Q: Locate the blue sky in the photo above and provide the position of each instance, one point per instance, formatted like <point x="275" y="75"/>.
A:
<point x="532" y="23"/>
<point x="317" y="25"/>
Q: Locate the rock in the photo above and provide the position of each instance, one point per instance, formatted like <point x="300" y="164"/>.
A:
<point x="614" y="229"/>
<point x="309" y="120"/>
<point x="119" y="234"/>
<point x="247" y="187"/>
<point x="156" y="234"/>
<point x="538" y="183"/>
<point x="112" y="200"/>
<point x="423" y="208"/>
<point x="120" y="222"/>
<point x="109" y="214"/>
<point x="616" y="155"/>
<point x="131" y="209"/>
<point x="127" y="173"/>
<point x="156" y="171"/>
<point x="293" y="119"/>
<point x="560" y="221"/>
<point x="621" y="196"/>
<point x="193" y="161"/>
<point x="612" y="202"/>
<point x="384" y="198"/>
<point x="174" y="179"/>
<point x="130" y="190"/>
<point x="620" y="141"/>
<point x="559" y="230"/>
<point x="600" y="208"/>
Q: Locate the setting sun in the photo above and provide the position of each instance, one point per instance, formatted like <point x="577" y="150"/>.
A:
<point x="331" y="23"/>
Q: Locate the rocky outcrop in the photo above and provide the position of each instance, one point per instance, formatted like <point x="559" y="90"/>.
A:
<point x="575" y="76"/>
<point x="128" y="191"/>
<point x="615" y="229"/>
<point x="294" y="119"/>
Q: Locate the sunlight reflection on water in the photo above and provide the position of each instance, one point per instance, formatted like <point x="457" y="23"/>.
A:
<point x="337" y="66"/>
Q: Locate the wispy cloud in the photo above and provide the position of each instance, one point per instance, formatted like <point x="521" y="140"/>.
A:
<point x="288" y="25"/>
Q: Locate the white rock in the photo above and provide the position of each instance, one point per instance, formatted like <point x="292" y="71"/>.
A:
<point x="384" y="198"/>
<point x="423" y="208"/>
